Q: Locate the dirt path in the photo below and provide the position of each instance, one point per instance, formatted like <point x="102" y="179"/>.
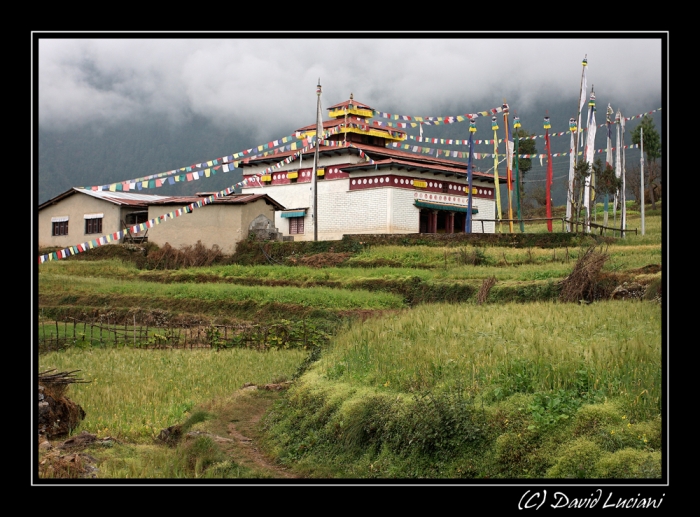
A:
<point x="234" y="427"/>
<point x="246" y="413"/>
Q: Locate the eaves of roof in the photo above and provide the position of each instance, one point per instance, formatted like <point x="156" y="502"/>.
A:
<point x="235" y="199"/>
<point x="117" y="198"/>
<point x="376" y="153"/>
<point x="392" y="163"/>
<point x="355" y="104"/>
<point x="277" y="157"/>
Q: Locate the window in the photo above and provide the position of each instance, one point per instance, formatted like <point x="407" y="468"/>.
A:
<point x="93" y="223"/>
<point x="296" y="225"/>
<point x="59" y="225"/>
<point x="59" y="228"/>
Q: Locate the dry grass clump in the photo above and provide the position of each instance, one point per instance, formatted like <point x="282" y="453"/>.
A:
<point x="327" y="259"/>
<point x="484" y="290"/>
<point x="198" y="255"/>
<point x="66" y="466"/>
<point x="581" y="283"/>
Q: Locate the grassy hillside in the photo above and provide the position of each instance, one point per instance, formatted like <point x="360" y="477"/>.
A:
<point x="428" y="358"/>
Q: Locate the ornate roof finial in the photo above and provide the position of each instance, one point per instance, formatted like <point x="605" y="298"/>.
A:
<point x="351" y="97"/>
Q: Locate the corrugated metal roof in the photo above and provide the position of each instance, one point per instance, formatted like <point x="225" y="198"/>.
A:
<point x="118" y="198"/>
<point x="122" y="198"/>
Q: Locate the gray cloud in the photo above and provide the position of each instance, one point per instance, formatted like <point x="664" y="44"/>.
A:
<point x="268" y="84"/>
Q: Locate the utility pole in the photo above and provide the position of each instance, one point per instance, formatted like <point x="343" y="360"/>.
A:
<point x="314" y="175"/>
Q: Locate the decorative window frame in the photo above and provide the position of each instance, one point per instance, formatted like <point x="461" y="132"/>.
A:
<point x="59" y="225"/>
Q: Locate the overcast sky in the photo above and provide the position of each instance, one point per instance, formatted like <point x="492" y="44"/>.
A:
<point x="243" y="81"/>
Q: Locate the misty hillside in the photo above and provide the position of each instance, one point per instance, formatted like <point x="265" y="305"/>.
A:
<point x="96" y="155"/>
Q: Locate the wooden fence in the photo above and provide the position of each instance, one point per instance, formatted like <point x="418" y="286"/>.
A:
<point x="573" y="224"/>
<point x="59" y="335"/>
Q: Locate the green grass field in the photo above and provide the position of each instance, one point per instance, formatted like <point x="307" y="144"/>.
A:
<point x="418" y="379"/>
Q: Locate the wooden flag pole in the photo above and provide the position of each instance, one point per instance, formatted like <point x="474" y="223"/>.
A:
<point x="509" y="167"/>
<point x="494" y="126"/>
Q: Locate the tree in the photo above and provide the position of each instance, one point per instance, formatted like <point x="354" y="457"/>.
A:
<point x="633" y="182"/>
<point x="606" y="182"/>
<point x="652" y="148"/>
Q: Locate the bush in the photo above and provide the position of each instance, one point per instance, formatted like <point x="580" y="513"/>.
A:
<point x="591" y="418"/>
<point x="630" y="464"/>
<point x="581" y="283"/>
<point x="577" y="459"/>
<point x="198" y="255"/>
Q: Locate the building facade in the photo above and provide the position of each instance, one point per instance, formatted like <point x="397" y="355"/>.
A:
<point x="80" y="215"/>
<point x="224" y="222"/>
<point x="363" y="186"/>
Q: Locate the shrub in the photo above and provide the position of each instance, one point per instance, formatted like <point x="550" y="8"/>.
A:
<point x="630" y="463"/>
<point x="591" y="418"/>
<point x="654" y="290"/>
<point x="576" y="459"/>
<point x="581" y="283"/>
<point x="198" y="255"/>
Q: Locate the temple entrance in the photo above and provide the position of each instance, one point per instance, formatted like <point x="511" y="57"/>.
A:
<point x="441" y="221"/>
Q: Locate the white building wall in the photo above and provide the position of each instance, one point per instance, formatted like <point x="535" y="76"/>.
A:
<point x="405" y="216"/>
<point x="377" y="210"/>
<point x="354" y="212"/>
<point x="487" y="210"/>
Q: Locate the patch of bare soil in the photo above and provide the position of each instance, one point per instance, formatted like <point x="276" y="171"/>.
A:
<point x="647" y="270"/>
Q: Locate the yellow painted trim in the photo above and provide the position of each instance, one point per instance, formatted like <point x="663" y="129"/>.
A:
<point x="420" y="184"/>
<point x="292" y="175"/>
<point x="266" y="178"/>
<point x="372" y="132"/>
<point x="354" y="111"/>
<point x="320" y="172"/>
